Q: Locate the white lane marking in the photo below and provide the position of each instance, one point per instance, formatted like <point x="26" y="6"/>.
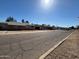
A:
<point x="55" y="46"/>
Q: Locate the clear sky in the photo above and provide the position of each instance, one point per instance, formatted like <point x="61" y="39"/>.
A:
<point x="53" y="12"/>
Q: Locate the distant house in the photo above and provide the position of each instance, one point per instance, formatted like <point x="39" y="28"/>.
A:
<point x="22" y="26"/>
<point x="15" y="26"/>
<point x="3" y="26"/>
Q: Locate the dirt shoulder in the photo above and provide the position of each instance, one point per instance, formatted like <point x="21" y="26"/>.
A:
<point x="69" y="49"/>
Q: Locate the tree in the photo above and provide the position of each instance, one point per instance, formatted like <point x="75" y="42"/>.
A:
<point x="78" y="27"/>
<point x="72" y="27"/>
<point x="27" y="22"/>
<point x="43" y="25"/>
<point x="22" y="21"/>
<point x="48" y="26"/>
<point x="53" y="27"/>
<point x="10" y="19"/>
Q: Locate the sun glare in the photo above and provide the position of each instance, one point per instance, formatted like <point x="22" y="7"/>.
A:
<point x="46" y="4"/>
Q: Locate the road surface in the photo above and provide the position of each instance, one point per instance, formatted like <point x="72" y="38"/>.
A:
<point x="29" y="45"/>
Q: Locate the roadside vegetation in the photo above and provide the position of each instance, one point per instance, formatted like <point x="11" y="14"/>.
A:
<point x="12" y="24"/>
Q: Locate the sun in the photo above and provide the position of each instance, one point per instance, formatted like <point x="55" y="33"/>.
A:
<point x="46" y="4"/>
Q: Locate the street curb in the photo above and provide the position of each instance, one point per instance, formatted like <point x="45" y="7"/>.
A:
<point x="54" y="47"/>
<point x="7" y="33"/>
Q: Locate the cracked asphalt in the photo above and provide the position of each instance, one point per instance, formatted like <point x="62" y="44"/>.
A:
<point x="29" y="45"/>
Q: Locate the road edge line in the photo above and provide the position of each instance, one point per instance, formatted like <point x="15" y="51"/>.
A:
<point x="54" y="47"/>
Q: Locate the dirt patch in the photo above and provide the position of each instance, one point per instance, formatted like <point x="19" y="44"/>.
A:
<point x="69" y="49"/>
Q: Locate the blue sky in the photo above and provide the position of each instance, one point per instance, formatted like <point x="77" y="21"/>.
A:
<point x="60" y="13"/>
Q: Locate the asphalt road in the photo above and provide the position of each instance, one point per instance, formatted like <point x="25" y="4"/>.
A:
<point x="29" y="45"/>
